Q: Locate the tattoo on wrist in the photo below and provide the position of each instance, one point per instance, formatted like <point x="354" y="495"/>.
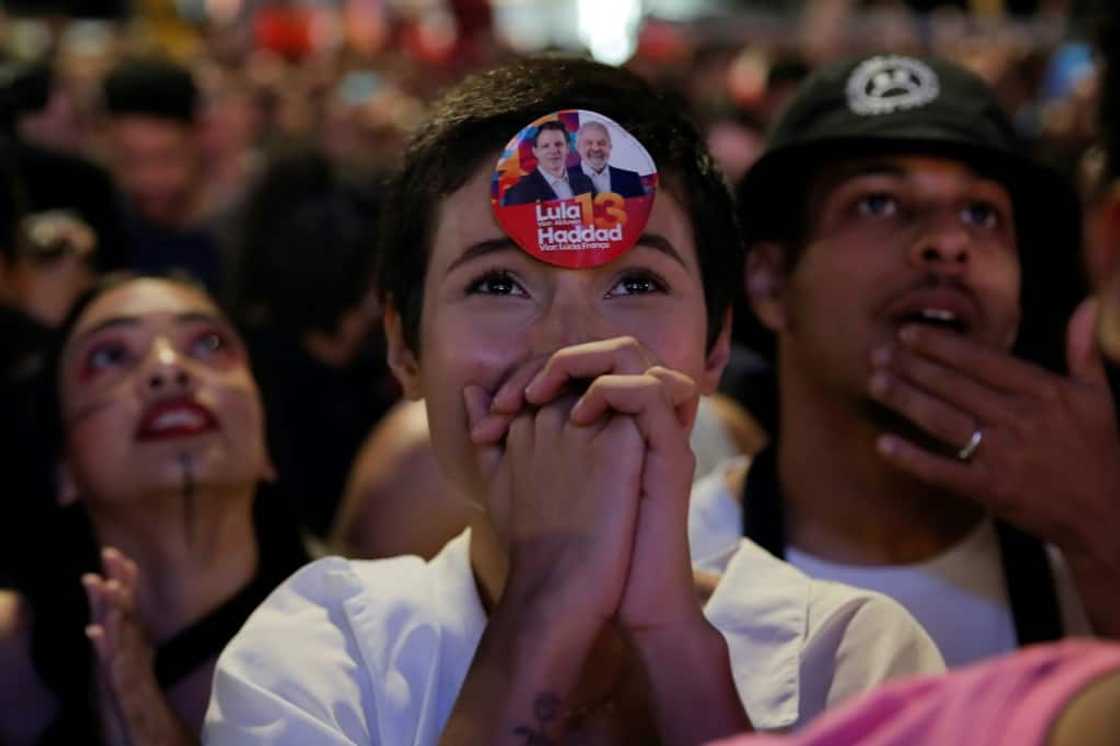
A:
<point x="547" y="710"/>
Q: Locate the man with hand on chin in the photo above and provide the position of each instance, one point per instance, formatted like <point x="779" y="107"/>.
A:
<point x="910" y="264"/>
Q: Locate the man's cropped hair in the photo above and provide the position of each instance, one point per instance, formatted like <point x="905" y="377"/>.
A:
<point x="550" y="125"/>
<point x="153" y="87"/>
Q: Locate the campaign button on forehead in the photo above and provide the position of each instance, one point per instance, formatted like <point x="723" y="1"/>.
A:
<point x="574" y="189"/>
<point x="890" y="83"/>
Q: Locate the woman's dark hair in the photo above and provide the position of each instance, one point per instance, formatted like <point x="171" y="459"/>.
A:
<point x="472" y="122"/>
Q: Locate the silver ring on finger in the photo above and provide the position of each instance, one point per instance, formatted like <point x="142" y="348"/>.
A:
<point x="966" y="453"/>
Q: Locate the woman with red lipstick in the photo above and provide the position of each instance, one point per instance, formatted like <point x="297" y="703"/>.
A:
<point x="159" y="430"/>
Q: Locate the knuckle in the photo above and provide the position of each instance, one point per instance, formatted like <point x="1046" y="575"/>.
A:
<point x="1001" y="494"/>
<point x="1051" y="392"/>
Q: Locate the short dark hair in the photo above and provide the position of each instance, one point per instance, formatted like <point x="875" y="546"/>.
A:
<point x="152" y="87"/>
<point x="475" y="119"/>
<point x="308" y="247"/>
<point x="549" y="125"/>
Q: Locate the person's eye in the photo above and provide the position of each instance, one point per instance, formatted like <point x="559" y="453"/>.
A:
<point x="106" y="355"/>
<point x="877" y="205"/>
<point x="495" y="282"/>
<point x="639" y="283"/>
<point x="209" y="343"/>
<point x="982" y="215"/>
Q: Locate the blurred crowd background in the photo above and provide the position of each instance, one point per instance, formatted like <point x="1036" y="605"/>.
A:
<point x="246" y="142"/>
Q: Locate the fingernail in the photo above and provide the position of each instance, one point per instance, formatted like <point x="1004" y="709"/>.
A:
<point x="886" y="444"/>
<point x="472" y="402"/>
<point x="574" y="415"/>
<point x="879" y="383"/>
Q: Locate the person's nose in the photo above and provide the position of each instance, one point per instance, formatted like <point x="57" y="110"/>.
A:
<point x="568" y="320"/>
<point x="943" y="244"/>
<point x="165" y="370"/>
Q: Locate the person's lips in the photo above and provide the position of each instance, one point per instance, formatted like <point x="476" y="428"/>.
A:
<point x="947" y="308"/>
<point x="175" y="418"/>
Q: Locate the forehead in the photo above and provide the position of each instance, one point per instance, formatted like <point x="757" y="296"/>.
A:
<point x="145" y="297"/>
<point x="465" y="218"/>
<point x="929" y="170"/>
<point x="594" y="130"/>
<point x="148" y="131"/>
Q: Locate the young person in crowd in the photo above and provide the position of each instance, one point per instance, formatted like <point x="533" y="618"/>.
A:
<point x="915" y="271"/>
<point x="320" y="360"/>
<point x="154" y="154"/>
<point x="159" y="432"/>
<point x="568" y="609"/>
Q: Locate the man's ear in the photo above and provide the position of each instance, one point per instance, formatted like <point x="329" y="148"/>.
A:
<point x="765" y="279"/>
<point x="67" y="489"/>
<point x="718" y="355"/>
<point x="402" y="360"/>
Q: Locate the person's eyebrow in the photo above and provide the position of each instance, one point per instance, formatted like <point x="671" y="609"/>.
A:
<point x="657" y="242"/>
<point x="845" y="172"/>
<point x="187" y="317"/>
<point x="480" y="249"/>
<point x="116" y="321"/>
<point x="867" y="168"/>
<point x="201" y="317"/>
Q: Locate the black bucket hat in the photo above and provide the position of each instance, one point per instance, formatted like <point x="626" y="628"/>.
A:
<point x="887" y="104"/>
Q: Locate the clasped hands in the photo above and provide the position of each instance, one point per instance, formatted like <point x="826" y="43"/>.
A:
<point x="590" y="491"/>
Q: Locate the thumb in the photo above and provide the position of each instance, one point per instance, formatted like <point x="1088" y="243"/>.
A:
<point x="1083" y="353"/>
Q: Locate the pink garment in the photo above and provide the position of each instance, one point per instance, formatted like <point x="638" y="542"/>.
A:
<point x="1008" y="701"/>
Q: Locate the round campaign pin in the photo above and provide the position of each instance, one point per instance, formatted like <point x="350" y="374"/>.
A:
<point x="574" y="189"/>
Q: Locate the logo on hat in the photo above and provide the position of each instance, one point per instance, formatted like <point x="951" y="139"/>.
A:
<point x="884" y="85"/>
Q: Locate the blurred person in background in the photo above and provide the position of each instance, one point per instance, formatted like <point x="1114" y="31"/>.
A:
<point x="155" y="542"/>
<point x="153" y="149"/>
<point x="53" y="179"/>
<point x="313" y="326"/>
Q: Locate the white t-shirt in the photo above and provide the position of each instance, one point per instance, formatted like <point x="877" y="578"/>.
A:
<point x="959" y="596"/>
<point x="361" y="652"/>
